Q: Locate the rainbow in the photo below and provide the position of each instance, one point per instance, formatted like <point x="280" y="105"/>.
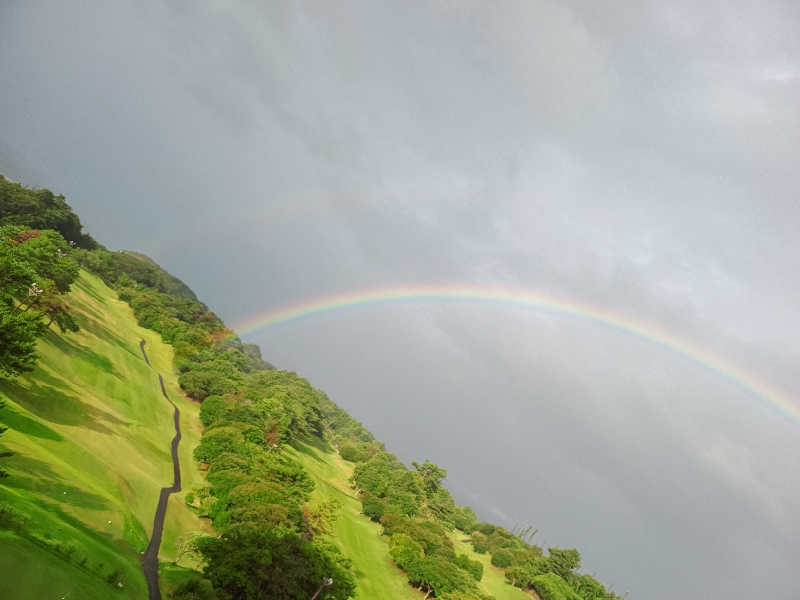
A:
<point x="538" y="300"/>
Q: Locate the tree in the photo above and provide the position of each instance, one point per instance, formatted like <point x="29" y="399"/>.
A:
<point x="248" y="563"/>
<point x="193" y="589"/>
<point x="552" y="587"/>
<point x="437" y="575"/>
<point x="197" y="384"/>
<point x="405" y="551"/>
<point x="41" y="209"/>
<point x="372" y="507"/>
<point x="564" y="561"/>
<point x="321" y="517"/>
<point x="212" y="409"/>
<point x="45" y="252"/>
<point x="34" y="271"/>
<point x="18" y="334"/>
<point x="502" y="558"/>
<point x="352" y="453"/>
<point x="588" y="587"/>
<point x="479" y="542"/>
<point x="432" y="476"/>
<point x="473" y="567"/>
<point x="464" y="519"/>
<point x="60" y="313"/>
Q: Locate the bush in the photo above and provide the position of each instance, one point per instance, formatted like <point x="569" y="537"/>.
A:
<point x="552" y="587"/>
<point x="215" y="442"/>
<point x="564" y="561"/>
<point x="193" y="589"/>
<point x="502" y="558"/>
<point x="479" y="542"/>
<point x="249" y="563"/>
<point x="372" y="507"/>
<point x="212" y="409"/>
<point x="473" y="567"/>
<point x="352" y="453"/>
<point x="405" y="551"/>
<point x="464" y="519"/>
<point x="439" y="575"/>
<point x="485" y="528"/>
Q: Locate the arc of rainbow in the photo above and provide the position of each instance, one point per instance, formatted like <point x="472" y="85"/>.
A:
<point x="539" y="300"/>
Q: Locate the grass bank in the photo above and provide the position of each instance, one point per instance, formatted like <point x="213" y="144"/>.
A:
<point x="360" y="539"/>
<point x="89" y="433"/>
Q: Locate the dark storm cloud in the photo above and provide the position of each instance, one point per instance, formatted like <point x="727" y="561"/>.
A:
<point x="638" y="156"/>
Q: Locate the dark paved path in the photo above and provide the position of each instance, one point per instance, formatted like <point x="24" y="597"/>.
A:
<point x="150" y="556"/>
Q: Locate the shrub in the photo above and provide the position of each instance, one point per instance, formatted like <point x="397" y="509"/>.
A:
<point x="405" y="551"/>
<point x="485" y="528"/>
<point x="212" y="409"/>
<point x="193" y="589"/>
<point x="464" y="519"/>
<point x="473" y="567"/>
<point x="564" y="561"/>
<point x="502" y="558"/>
<point x="352" y="453"/>
<point x="479" y="542"/>
<point x="552" y="587"/>
<point x="214" y="443"/>
<point x="372" y="507"/>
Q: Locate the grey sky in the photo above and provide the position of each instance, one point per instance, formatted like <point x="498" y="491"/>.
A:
<point x="640" y="156"/>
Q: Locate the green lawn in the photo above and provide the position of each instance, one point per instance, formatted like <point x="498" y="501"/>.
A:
<point x="90" y="435"/>
<point x="494" y="581"/>
<point x="359" y="538"/>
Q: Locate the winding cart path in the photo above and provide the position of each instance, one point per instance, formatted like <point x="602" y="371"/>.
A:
<point x="150" y="556"/>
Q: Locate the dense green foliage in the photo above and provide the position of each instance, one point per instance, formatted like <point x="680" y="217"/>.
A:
<point x="251" y="564"/>
<point x="550" y="586"/>
<point x="555" y="576"/>
<point x="41" y="209"/>
<point x="250" y="412"/>
<point x="35" y="271"/>
<point x="112" y="266"/>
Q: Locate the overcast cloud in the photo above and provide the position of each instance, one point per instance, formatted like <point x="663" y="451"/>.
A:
<point x="639" y="156"/>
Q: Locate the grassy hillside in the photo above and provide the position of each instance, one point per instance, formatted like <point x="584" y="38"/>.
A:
<point x="90" y="434"/>
<point x="494" y="579"/>
<point x="360" y="539"/>
<point x="90" y="431"/>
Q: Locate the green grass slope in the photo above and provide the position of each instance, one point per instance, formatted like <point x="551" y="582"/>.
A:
<point x="356" y="536"/>
<point x="360" y="539"/>
<point x="90" y="436"/>
<point x="494" y="580"/>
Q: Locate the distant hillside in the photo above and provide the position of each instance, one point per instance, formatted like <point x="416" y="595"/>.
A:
<point x="41" y="209"/>
<point x="150" y="273"/>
